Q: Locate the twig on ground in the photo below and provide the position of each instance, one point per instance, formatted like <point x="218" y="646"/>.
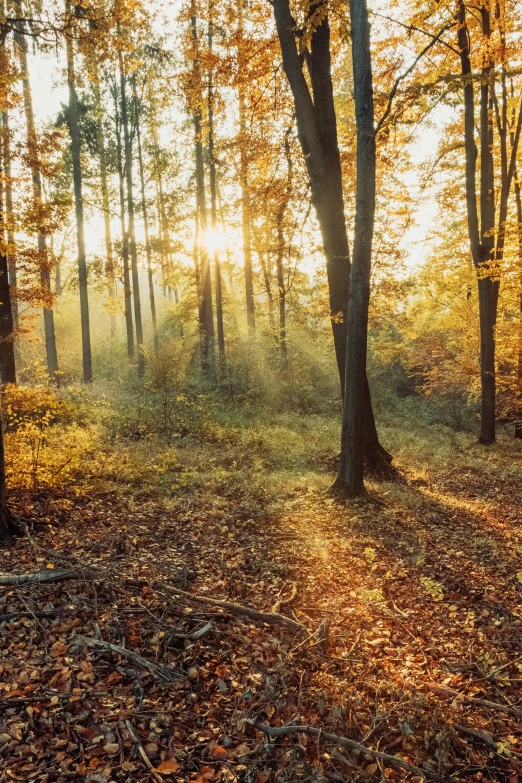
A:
<point x="286" y="601"/>
<point x="491" y="705"/>
<point x="484" y="737"/>
<point x="38" y="615"/>
<point x="141" y="750"/>
<point x="395" y="761"/>
<point x="246" y="611"/>
<point x="46" y="575"/>
<point x="160" y="671"/>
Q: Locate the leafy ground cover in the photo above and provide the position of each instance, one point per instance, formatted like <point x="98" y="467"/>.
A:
<point x="423" y="595"/>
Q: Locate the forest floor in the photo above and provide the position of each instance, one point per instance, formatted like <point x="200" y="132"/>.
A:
<point x="423" y="597"/>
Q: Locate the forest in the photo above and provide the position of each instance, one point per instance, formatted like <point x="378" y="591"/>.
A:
<point x="260" y="391"/>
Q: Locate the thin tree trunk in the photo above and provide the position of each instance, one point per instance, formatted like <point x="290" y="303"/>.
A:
<point x="227" y="246"/>
<point x="269" y="294"/>
<point x="7" y="353"/>
<point x="146" y="224"/>
<point x="131" y="233"/>
<point x="206" y="316"/>
<point x="213" y="204"/>
<point x="109" y="253"/>
<point x="350" y="480"/>
<point x="127" y="293"/>
<point x="11" y="247"/>
<point x="245" y="189"/>
<point x="34" y="163"/>
<point x="518" y="200"/>
<point x="78" y="201"/>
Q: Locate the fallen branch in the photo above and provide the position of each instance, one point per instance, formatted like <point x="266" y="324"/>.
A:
<point x="491" y="705"/>
<point x="50" y="695"/>
<point x="483" y="736"/>
<point x="46" y="575"/>
<point x="39" y="615"/>
<point x="246" y="611"/>
<point x="394" y="761"/>
<point x="160" y="671"/>
<point x="190" y="636"/>
<point x="141" y="750"/>
<point x="286" y="601"/>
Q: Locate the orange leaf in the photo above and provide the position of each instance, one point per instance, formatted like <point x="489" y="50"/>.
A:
<point x="219" y="752"/>
<point x="168" y="766"/>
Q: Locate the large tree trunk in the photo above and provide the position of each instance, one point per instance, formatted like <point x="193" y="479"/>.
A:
<point x="245" y="189"/>
<point x="127" y="293"/>
<point x="350" y="479"/>
<point x="146" y="224"/>
<point x="213" y="205"/>
<point x="7" y="354"/>
<point x="131" y="232"/>
<point x="34" y="163"/>
<point x="78" y="202"/>
<point x="317" y="132"/>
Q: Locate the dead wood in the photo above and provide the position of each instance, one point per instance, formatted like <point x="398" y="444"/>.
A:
<point x="162" y="672"/>
<point x="46" y="575"/>
<point x="39" y="615"/>
<point x="141" y="750"/>
<point x="394" y="761"/>
<point x="246" y="611"/>
<point x="286" y="601"/>
<point x="491" y="705"/>
<point x="483" y="736"/>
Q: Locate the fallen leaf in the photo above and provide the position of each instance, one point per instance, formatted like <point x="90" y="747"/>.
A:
<point x="168" y="766"/>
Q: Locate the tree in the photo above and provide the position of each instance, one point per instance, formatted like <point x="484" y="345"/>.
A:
<point x="317" y="131"/>
<point x="78" y="203"/>
<point x="131" y="233"/>
<point x="486" y="231"/>
<point x="33" y="153"/>
<point x="350" y="478"/>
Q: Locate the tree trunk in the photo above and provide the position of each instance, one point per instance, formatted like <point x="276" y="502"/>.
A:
<point x="127" y="293"/>
<point x="78" y="202"/>
<point x="146" y="224"/>
<point x="317" y="132"/>
<point x="109" y="254"/>
<point x="206" y="315"/>
<point x="245" y="190"/>
<point x="131" y="233"/>
<point x="9" y="525"/>
<point x="213" y="205"/>
<point x="7" y="354"/>
<point x="9" y="217"/>
<point x="518" y="200"/>
<point x="350" y="479"/>
<point x="269" y="294"/>
<point x="34" y="163"/>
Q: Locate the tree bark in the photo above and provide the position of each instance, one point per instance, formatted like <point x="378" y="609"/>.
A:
<point x="34" y="163"/>
<point x="350" y="479"/>
<point x="78" y="202"/>
<point x="213" y="204"/>
<point x="245" y="190"/>
<point x="127" y="293"/>
<point x="146" y="224"/>
<point x="109" y="253"/>
<point x="9" y="223"/>
<point x="317" y="133"/>
<point x="7" y="354"/>
<point x="206" y="315"/>
<point x="131" y="232"/>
